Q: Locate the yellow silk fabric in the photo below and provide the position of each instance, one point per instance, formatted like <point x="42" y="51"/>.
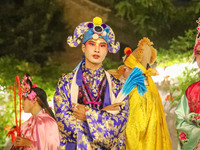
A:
<point x="146" y="127"/>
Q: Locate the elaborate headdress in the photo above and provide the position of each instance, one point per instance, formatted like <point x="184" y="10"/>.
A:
<point x="95" y="30"/>
<point x="197" y="37"/>
<point x="138" y="53"/>
<point x="26" y="87"/>
<point x="134" y="59"/>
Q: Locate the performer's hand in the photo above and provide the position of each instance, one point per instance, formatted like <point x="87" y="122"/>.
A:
<point x="79" y="111"/>
<point x="113" y="107"/>
<point x="20" y="141"/>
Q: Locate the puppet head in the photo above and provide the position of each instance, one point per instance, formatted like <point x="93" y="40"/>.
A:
<point x="145" y="54"/>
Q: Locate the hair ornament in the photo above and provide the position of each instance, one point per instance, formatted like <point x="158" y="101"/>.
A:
<point x="104" y="33"/>
<point x="90" y="25"/>
<point x="103" y="25"/>
<point x="107" y="30"/>
<point x="80" y="30"/>
<point x="95" y="36"/>
<point x="26" y="85"/>
<point x="34" y="86"/>
<point x="26" y="88"/>
<point x="32" y="95"/>
<point x="97" y="21"/>
<point x="98" y="29"/>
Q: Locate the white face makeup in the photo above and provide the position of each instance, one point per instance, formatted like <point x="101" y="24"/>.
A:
<point x="95" y="52"/>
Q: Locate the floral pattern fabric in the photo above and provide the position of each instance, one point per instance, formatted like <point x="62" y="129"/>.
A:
<point x="188" y="120"/>
<point x="102" y="130"/>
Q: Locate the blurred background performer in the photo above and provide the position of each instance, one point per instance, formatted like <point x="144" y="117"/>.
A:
<point x="188" y="110"/>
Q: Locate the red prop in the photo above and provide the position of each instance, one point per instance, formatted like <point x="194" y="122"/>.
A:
<point x="18" y="124"/>
<point x="11" y="134"/>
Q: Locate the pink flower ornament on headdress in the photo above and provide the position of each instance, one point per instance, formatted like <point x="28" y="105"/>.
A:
<point x="32" y="95"/>
<point x="26" y="86"/>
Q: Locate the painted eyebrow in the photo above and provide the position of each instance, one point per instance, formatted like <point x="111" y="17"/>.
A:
<point x="100" y="42"/>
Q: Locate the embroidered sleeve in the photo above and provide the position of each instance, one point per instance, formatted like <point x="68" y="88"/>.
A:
<point x="194" y="118"/>
<point x="186" y="126"/>
<point x="63" y="112"/>
<point x="116" y="85"/>
<point x="106" y="128"/>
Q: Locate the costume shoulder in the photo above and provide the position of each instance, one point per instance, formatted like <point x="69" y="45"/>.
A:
<point x="66" y="78"/>
<point x="193" y="88"/>
<point x="116" y="85"/>
<point x="193" y="85"/>
<point x="45" y="119"/>
<point x="115" y="80"/>
<point x="48" y="133"/>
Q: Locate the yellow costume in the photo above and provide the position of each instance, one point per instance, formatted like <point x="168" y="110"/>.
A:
<point x="146" y="127"/>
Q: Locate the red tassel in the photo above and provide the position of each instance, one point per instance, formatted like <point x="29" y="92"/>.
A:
<point x="11" y="134"/>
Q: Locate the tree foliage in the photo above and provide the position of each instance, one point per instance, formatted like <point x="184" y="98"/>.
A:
<point x="148" y="16"/>
<point x="31" y="29"/>
<point x="179" y="51"/>
<point x="156" y="17"/>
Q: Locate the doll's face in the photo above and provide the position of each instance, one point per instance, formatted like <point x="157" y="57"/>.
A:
<point x="95" y="52"/>
<point x="146" y="55"/>
<point x="27" y="105"/>
<point x="198" y="55"/>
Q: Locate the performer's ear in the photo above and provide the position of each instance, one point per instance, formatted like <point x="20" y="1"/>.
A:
<point x="83" y="48"/>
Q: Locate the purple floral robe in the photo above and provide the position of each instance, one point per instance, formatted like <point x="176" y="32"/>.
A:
<point x="102" y="130"/>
